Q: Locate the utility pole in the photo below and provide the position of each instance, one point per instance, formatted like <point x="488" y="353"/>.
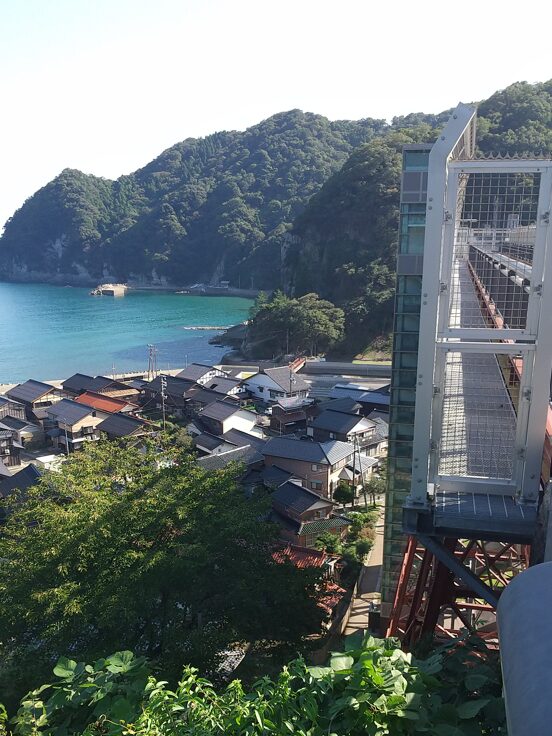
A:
<point x="152" y="362"/>
<point x="163" y="397"/>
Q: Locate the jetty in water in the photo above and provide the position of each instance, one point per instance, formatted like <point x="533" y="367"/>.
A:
<point x="109" y="290"/>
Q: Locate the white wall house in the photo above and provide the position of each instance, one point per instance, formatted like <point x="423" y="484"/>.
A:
<point x="274" y="384"/>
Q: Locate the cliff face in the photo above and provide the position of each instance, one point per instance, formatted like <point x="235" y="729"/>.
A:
<point x="204" y="210"/>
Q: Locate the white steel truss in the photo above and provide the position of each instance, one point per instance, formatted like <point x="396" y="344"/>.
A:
<point x="485" y="348"/>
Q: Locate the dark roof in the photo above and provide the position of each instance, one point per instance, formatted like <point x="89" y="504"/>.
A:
<point x="247" y="455"/>
<point x="121" y="425"/>
<point x="175" y="386"/>
<point x="100" y="383"/>
<point x="5" y="433"/>
<point x="313" y="452"/>
<point x="273" y="476"/>
<point x="220" y="410"/>
<point x="319" y="526"/>
<point x="347" y="405"/>
<point x="337" y="421"/>
<point x="222" y="385"/>
<point x="286" y="379"/>
<point x="208" y="441"/>
<point x="69" y="412"/>
<point x="203" y="396"/>
<point x="376" y="414"/>
<point x="382" y="429"/>
<point x="296" y="498"/>
<point x="241" y="439"/>
<point x="13" y="423"/>
<point x="22" y="480"/>
<point x="29" y="391"/>
<point x="195" y="371"/>
<point x="284" y="521"/>
<point x="77" y="382"/>
<point x="4" y="400"/>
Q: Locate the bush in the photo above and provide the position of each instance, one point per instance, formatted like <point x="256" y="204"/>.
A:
<point x="372" y="688"/>
<point x="344" y="493"/>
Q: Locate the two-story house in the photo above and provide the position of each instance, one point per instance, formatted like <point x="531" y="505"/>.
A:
<point x="272" y="384"/>
<point x="9" y="408"/>
<point x="200" y="373"/>
<point x="124" y="426"/>
<point x="71" y="424"/>
<point x="303" y="515"/>
<point x="337" y="425"/>
<point x="10" y="449"/>
<point x="222" y="416"/>
<point x="107" y="404"/>
<point x="176" y="400"/>
<point x="35" y="397"/>
<point x="318" y="464"/>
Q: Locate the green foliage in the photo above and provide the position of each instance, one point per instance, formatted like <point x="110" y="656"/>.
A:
<point x="142" y="551"/>
<point x="344" y="493"/>
<point x="284" y="325"/>
<point x="371" y="689"/>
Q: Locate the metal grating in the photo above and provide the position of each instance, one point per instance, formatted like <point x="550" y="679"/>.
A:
<point x="496" y="216"/>
<point x="478" y="420"/>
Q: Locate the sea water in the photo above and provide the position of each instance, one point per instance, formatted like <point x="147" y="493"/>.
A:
<point x="51" y="332"/>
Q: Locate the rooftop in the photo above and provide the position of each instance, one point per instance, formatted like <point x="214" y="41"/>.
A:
<point x="101" y="402"/>
<point x="326" y="453"/>
<point x="121" y="425"/>
<point x="69" y="411"/>
<point x="77" y="382"/>
<point x="195" y="371"/>
<point x="221" y="410"/>
<point x="301" y="557"/>
<point x="286" y="379"/>
<point x="222" y="385"/>
<point x="295" y="497"/>
<point x="248" y="455"/>
<point x="342" y="423"/>
<point x="22" y="480"/>
<point x="30" y="391"/>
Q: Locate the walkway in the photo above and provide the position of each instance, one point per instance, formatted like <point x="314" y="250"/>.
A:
<point x="368" y="589"/>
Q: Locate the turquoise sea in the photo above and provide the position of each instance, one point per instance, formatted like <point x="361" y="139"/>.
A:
<point x="49" y="332"/>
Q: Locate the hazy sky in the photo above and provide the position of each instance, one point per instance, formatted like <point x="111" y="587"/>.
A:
<point x="105" y="85"/>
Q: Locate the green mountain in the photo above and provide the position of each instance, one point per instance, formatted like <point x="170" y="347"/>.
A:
<point x="343" y="245"/>
<point x="205" y="209"/>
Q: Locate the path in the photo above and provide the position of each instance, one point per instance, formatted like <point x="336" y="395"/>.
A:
<point x="369" y="584"/>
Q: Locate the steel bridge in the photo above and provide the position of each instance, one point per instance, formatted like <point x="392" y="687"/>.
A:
<point x="482" y="386"/>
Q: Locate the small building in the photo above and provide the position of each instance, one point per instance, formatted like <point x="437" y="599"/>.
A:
<point x="225" y="386"/>
<point x="70" y="424"/>
<point x="10" y="448"/>
<point x="272" y="384"/>
<point x="77" y="384"/>
<point x="370" y="400"/>
<point x="318" y="464"/>
<point x="176" y="400"/>
<point x="247" y="456"/>
<point x="222" y="416"/>
<point x="289" y="415"/>
<point x="34" y="395"/>
<point x="9" y="408"/>
<point x="26" y="433"/>
<point x="113" y="388"/>
<point x="200" y="373"/>
<point x="337" y="425"/>
<point x="123" y="426"/>
<point x="199" y="397"/>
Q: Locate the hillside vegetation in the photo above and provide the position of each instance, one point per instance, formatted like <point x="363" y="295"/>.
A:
<point x="296" y="202"/>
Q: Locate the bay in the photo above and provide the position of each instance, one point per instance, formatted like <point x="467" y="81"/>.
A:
<point x="51" y="332"/>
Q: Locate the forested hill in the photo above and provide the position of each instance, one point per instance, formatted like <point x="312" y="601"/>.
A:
<point x="296" y="200"/>
<point x="205" y="209"/>
<point x="343" y="245"/>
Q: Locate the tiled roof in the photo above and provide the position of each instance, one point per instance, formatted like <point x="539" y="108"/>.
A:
<point x="273" y="476"/>
<point x="203" y="396"/>
<point x="100" y="383"/>
<point x="347" y="405"/>
<point x="240" y="439"/>
<point x="77" y="382"/>
<point x="286" y="379"/>
<point x="222" y="385"/>
<point x="22" y="480"/>
<point x="363" y="463"/>
<point x="175" y="386"/>
<point x="301" y="557"/>
<point x="339" y="422"/>
<point x="220" y="410"/>
<point x="14" y="423"/>
<point x="296" y="498"/>
<point x="121" y="425"/>
<point x="208" y="441"/>
<point x="319" y="526"/>
<point x="69" y="412"/>
<point x="101" y="402"/>
<point x="195" y="371"/>
<point x="29" y="391"/>
<point x="247" y="455"/>
<point x="313" y="452"/>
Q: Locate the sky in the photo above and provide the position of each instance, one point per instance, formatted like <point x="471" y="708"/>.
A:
<point x="106" y="85"/>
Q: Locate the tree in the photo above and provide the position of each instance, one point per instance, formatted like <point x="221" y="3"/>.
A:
<point x="344" y="493"/>
<point x="284" y="325"/>
<point x="142" y="550"/>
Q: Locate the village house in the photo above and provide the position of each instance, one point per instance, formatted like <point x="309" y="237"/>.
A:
<point x="26" y="433"/>
<point x="248" y="456"/>
<point x="290" y="415"/>
<point x="200" y="373"/>
<point x="336" y="425"/>
<point x="76" y="384"/>
<point x="225" y="386"/>
<point x="272" y="384"/>
<point x="35" y="396"/>
<point x="123" y="426"/>
<point x="369" y="400"/>
<point x="106" y="404"/>
<point x="320" y="465"/>
<point x="221" y="416"/>
<point x="199" y="397"/>
<point x="10" y="449"/>
<point x="71" y="424"/>
<point x="208" y="443"/>
<point x="176" y="400"/>
<point x="9" y="408"/>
